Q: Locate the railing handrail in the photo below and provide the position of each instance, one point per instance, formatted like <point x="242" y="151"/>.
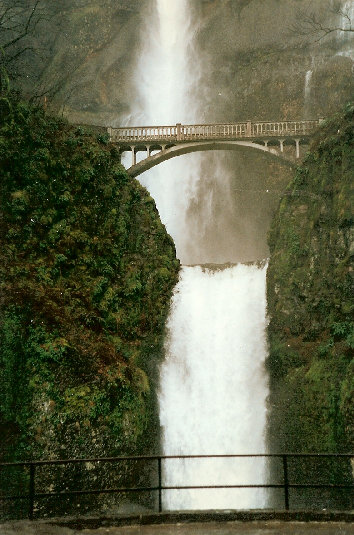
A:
<point x="179" y="133"/>
<point x="140" y="127"/>
<point x="286" y="485"/>
<point x="155" y="457"/>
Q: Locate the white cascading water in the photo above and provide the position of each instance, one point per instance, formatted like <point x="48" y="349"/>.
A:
<point x="165" y="79"/>
<point x="307" y="93"/>
<point x="213" y="388"/>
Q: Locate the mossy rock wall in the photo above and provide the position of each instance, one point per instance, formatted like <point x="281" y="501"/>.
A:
<point x="310" y="305"/>
<point x="87" y="271"/>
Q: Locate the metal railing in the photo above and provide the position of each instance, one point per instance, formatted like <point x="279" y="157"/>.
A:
<point x="286" y="485"/>
<point x="179" y="132"/>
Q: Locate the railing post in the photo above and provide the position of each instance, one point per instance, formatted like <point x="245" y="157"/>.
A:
<point x="248" y="129"/>
<point x="179" y="131"/>
<point x="160" y="483"/>
<point x="31" y="491"/>
<point x="286" y="481"/>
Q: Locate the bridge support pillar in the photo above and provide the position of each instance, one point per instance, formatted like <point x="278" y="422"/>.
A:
<point x="281" y="143"/>
<point x="133" y="155"/>
<point x="297" y="143"/>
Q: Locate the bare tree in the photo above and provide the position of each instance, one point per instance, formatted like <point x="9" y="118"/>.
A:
<point x="315" y="24"/>
<point x="28" y="32"/>
<point x="39" y="52"/>
<point x="18" y="23"/>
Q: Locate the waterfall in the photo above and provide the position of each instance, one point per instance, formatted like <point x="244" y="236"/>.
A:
<point x="308" y="77"/>
<point x="212" y="385"/>
<point x="213" y="390"/>
<point x="167" y="74"/>
<point x="307" y="93"/>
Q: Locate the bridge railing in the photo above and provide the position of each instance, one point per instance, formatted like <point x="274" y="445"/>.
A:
<point x="179" y="132"/>
<point x="211" y="131"/>
<point x="285" y="474"/>
<point x="143" y="133"/>
<point x="284" y="128"/>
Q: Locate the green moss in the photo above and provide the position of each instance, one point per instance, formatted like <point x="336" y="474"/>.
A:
<point x="86" y="270"/>
<point x="309" y="299"/>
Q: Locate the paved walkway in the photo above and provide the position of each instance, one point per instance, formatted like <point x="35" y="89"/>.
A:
<point x="200" y="528"/>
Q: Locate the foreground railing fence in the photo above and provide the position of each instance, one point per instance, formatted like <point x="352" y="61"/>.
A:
<point x="287" y="485"/>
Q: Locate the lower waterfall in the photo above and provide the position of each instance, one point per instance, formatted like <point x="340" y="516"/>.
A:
<point x="212" y="386"/>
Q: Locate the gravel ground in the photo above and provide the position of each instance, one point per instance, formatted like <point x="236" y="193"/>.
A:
<point x="210" y="528"/>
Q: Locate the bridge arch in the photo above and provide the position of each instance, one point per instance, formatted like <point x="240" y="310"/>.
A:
<point x="175" y="140"/>
<point x="169" y="152"/>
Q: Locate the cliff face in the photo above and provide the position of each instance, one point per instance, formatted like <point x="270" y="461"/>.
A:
<point x="87" y="271"/>
<point x="80" y="55"/>
<point x="256" y="59"/>
<point x="310" y="279"/>
<point x="262" y="60"/>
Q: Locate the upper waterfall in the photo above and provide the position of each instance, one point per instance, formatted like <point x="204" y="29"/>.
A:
<point x="166" y="77"/>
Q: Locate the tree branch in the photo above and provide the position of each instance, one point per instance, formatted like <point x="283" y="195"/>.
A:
<point x="9" y="60"/>
<point x="309" y="23"/>
<point x="27" y="27"/>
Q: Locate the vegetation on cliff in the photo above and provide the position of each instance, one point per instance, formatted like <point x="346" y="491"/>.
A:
<point x="310" y="276"/>
<point x="86" y="273"/>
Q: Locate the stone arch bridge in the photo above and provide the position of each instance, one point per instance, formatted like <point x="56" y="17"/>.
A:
<point x="280" y="140"/>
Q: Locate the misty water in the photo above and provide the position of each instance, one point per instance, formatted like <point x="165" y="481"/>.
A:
<point x="213" y="387"/>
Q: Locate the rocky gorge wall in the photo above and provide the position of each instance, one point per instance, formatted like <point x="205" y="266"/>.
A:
<point x="309" y="299"/>
<point x="87" y="271"/>
<point x="264" y="50"/>
<point x="254" y="56"/>
<point x="310" y="307"/>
